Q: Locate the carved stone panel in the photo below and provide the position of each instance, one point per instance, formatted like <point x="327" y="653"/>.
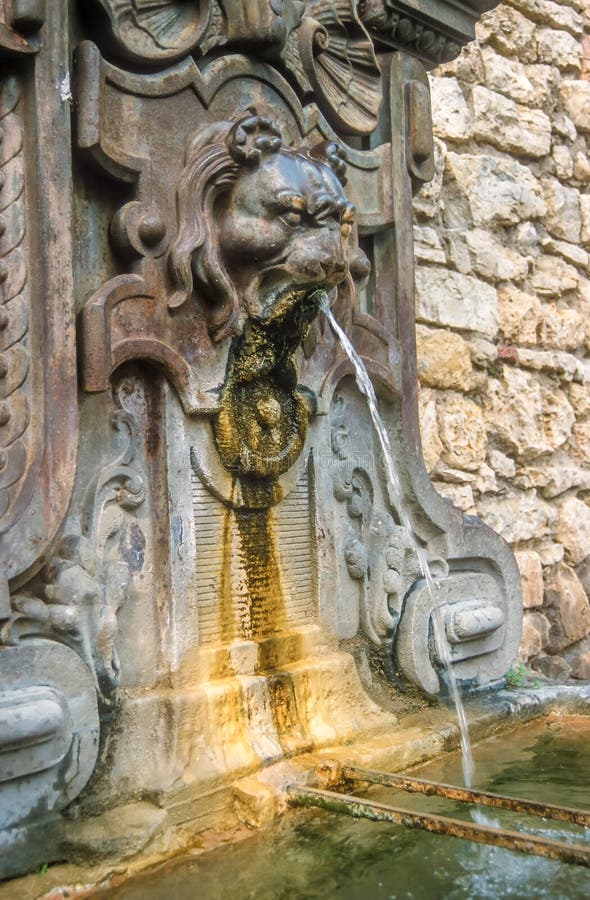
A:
<point x="195" y="523"/>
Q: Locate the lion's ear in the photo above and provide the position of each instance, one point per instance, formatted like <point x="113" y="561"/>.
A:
<point x="334" y="155"/>
<point x="251" y="137"/>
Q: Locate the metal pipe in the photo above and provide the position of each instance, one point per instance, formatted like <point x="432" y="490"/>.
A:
<point x="482" y="834"/>
<point x="450" y="792"/>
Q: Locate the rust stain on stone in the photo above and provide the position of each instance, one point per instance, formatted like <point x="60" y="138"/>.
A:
<point x="265" y="611"/>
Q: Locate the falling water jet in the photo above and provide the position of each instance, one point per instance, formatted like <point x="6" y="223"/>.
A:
<point x="394" y="494"/>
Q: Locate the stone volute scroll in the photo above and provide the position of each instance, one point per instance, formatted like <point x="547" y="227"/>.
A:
<point x="201" y="558"/>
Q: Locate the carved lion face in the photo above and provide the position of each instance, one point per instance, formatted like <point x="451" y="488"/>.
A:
<point x="283" y="232"/>
<point x="260" y="226"/>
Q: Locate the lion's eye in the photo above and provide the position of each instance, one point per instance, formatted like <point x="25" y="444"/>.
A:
<point x="292" y="218"/>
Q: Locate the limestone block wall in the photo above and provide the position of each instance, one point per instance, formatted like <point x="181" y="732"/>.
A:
<point x="502" y="239"/>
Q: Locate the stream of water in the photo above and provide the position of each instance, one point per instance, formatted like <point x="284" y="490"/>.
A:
<point x="394" y="492"/>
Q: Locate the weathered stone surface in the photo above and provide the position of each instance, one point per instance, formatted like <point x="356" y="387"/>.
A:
<point x="545" y="81"/>
<point x="460" y="495"/>
<point x="564" y="127"/>
<point x="573" y="529"/>
<point x="443" y="360"/>
<point x="531" y="572"/>
<point x="427" y="201"/>
<point x="585" y="215"/>
<point x="576" y="100"/>
<point x="526" y="239"/>
<point x="562" y="161"/>
<point x="527" y="418"/>
<point x="558" y="15"/>
<point x="581" y="167"/>
<point x="563" y="218"/>
<point x="485" y="481"/>
<point x="554" y="667"/>
<point x="518" y="516"/>
<point x="535" y="631"/>
<point x="553" y="277"/>
<point x="581" y="441"/>
<point x="467" y="67"/>
<point x="520" y="315"/>
<point x="550" y="553"/>
<point x="459" y="301"/>
<point x="255" y="802"/>
<point x="508" y="126"/>
<point x="579" y="397"/>
<point x="578" y="658"/>
<point x="508" y="76"/>
<point x="431" y="442"/>
<point x="554" y="362"/>
<point x="120" y="832"/>
<point x="509" y="32"/>
<point x="462" y="432"/>
<point x="553" y="480"/>
<point x="570" y="252"/>
<point x="483" y="353"/>
<point x="497" y="191"/>
<point x="558" y="48"/>
<point x="502" y="465"/>
<point x="566" y="607"/>
<point x="560" y="327"/>
<point x="427" y="245"/>
<point x="451" y="119"/>
<point x="491" y="259"/>
<point x="454" y="476"/>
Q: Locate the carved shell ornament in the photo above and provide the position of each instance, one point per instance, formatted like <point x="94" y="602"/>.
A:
<point x="152" y="30"/>
<point x="323" y="44"/>
<point x="339" y="60"/>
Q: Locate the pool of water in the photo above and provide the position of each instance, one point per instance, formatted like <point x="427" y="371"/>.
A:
<point x="316" y="854"/>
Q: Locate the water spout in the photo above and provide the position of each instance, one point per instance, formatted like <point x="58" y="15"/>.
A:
<point x="394" y="493"/>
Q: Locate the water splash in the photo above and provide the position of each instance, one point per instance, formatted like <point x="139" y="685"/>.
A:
<point x="394" y="493"/>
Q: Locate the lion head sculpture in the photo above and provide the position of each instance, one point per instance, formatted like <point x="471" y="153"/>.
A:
<point x="260" y="226"/>
<point x="263" y="233"/>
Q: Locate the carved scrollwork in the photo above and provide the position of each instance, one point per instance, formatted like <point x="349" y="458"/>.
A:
<point x="76" y="597"/>
<point x="14" y="308"/>
<point x="20" y="22"/>
<point x="379" y="554"/>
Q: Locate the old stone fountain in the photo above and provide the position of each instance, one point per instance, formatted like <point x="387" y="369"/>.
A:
<point x="203" y="574"/>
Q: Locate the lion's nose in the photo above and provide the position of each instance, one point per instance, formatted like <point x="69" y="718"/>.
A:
<point x="332" y="266"/>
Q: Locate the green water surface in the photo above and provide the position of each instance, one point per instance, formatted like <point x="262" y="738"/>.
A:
<point x="315" y="854"/>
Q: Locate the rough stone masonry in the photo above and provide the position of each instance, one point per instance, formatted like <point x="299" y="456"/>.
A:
<point x="502" y="240"/>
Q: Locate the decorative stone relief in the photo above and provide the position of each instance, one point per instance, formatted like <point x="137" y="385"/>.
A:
<point x="59" y="665"/>
<point x="237" y="165"/>
<point x="15" y="382"/>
